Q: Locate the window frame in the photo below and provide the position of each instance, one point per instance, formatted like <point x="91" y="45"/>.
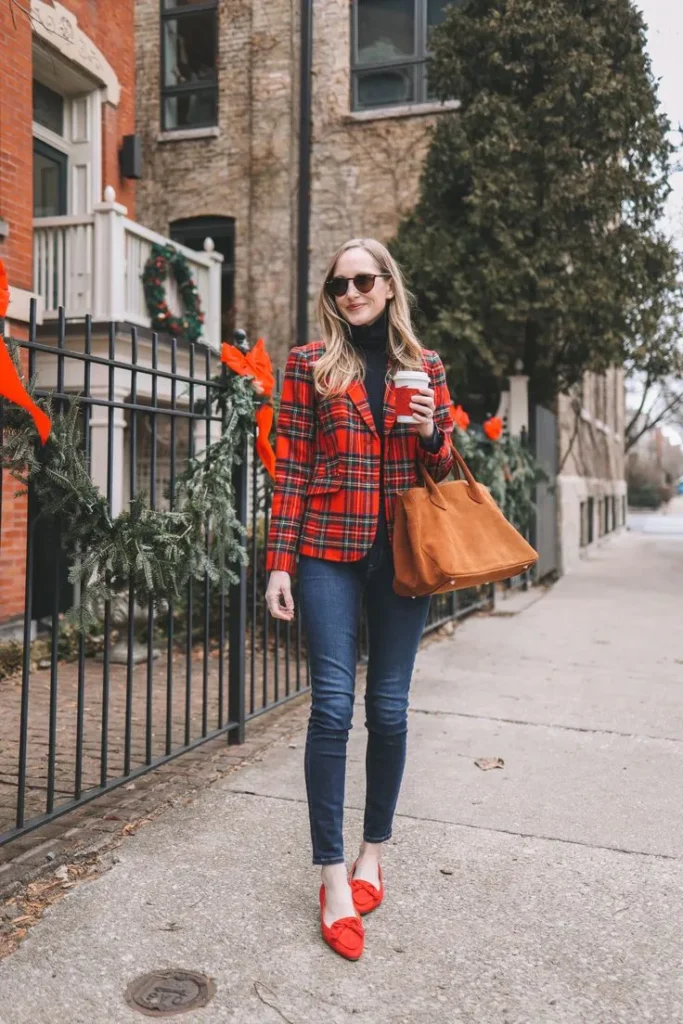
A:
<point x="185" y="88"/>
<point x="419" y="61"/>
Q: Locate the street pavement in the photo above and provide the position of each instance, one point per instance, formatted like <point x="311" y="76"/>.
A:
<point x="549" y="891"/>
<point x="668" y="520"/>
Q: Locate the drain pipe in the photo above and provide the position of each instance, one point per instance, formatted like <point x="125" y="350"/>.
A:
<point x="304" y="191"/>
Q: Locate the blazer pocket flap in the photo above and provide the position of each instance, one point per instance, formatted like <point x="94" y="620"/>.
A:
<point x="323" y="485"/>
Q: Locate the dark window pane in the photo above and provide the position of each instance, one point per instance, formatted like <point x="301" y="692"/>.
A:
<point x="49" y="182"/>
<point x="191" y="109"/>
<point x="386" y="30"/>
<point x="385" y="88"/>
<point x="48" y="108"/>
<point x="190" y="49"/>
<point x="170" y="5"/>
<point x="436" y="11"/>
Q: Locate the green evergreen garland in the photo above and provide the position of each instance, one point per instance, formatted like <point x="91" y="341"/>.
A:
<point x="153" y="551"/>
<point x="509" y="470"/>
<point x="163" y="258"/>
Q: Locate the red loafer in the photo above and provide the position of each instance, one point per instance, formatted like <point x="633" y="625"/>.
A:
<point x="366" y="896"/>
<point x="345" y="936"/>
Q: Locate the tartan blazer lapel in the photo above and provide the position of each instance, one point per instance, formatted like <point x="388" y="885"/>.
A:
<point x="389" y="406"/>
<point x="359" y="397"/>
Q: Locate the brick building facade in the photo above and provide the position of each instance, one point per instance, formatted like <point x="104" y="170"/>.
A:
<point x="67" y="98"/>
<point x="242" y="167"/>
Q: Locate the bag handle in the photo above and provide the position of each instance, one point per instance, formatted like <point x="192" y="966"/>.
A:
<point x="473" y="488"/>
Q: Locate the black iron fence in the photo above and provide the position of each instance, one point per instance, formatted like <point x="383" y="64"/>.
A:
<point x="89" y="712"/>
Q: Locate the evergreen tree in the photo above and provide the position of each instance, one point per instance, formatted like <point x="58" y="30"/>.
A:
<point x="535" y="241"/>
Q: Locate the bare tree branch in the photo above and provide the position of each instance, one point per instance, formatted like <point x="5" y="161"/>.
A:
<point x="648" y="384"/>
<point x="674" y="404"/>
<point x="576" y="407"/>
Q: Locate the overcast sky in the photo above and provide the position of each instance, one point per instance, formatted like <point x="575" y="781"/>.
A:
<point x="665" y="44"/>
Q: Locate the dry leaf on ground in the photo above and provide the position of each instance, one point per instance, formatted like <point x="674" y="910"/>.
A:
<point x="486" y="763"/>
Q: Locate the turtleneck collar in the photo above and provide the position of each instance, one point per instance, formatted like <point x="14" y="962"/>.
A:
<point x="371" y="336"/>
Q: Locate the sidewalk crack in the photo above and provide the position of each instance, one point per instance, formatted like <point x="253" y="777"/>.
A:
<point x="546" y="725"/>
<point x="479" y="828"/>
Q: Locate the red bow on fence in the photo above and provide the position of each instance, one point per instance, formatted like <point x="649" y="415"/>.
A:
<point x="11" y="387"/>
<point x="256" y="363"/>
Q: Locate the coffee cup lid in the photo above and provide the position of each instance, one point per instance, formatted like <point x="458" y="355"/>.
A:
<point x="409" y="375"/>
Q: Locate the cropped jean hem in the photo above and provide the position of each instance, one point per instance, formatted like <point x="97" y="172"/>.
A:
<point x="321" y="863"/>
<point x="383" y="839"/>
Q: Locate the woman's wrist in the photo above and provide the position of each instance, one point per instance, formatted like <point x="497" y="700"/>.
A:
<point x="432" y="442"/>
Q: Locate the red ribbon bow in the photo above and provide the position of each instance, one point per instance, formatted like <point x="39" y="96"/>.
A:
<point x="256" y="363"/>
<point x="11" y="387"/>
<point x="460" y="417"/>
<point x="493" y="428"/>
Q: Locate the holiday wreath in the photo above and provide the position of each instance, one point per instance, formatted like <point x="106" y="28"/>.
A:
<point x="162" y="259"/>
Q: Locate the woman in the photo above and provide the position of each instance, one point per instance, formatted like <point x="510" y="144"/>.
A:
<point x="341" y="460"/>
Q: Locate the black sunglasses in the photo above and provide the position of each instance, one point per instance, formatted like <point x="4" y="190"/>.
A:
<point x="364" y="283"/>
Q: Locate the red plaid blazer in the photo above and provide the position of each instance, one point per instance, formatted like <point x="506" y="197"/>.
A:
<point x="327" y="475"/>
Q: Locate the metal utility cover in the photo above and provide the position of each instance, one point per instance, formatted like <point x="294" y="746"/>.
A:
<point x="165" y="993"/>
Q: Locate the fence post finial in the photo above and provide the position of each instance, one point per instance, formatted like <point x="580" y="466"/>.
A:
<point x="239" y="340"/>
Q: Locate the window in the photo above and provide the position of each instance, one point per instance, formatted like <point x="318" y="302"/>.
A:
<point x="390" y="49"/>
<point x="583" y="513"/>
<point x="48" y="108"/>
<point x="192" y="231"/>
<point x="189" y="78"/>
<point x="49" y="181"/>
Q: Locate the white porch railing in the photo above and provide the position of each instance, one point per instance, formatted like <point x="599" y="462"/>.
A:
<point x="93" y="264"/>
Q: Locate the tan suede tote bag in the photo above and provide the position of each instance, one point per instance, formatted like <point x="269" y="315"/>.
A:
<point x="453" y="535"/>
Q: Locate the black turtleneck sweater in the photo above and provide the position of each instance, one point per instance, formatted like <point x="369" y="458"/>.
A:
<point x="371" y="341"/>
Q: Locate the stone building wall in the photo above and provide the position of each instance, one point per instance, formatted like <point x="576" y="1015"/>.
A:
<point x="591" y="451"/>
<point x="365" y="167"/>
<point x="243" y="169"/>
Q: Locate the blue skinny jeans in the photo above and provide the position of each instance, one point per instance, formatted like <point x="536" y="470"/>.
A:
<point x="330" y="595"/>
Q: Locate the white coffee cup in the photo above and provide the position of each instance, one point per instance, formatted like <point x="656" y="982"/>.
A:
<point x="407" y="384"/>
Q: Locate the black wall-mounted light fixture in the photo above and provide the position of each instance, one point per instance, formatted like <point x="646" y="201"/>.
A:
<point x="130" y="157"/>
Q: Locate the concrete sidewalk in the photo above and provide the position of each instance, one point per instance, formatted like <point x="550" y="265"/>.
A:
<point x="550" y="891"/>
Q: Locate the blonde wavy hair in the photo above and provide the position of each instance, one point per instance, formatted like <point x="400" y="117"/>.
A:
<point x="341" y="364"/>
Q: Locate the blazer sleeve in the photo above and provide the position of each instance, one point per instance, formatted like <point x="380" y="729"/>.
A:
<point x="439" y="463"/>
<point x="294" y="451"/>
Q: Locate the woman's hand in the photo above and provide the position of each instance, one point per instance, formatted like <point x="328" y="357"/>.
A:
<point x="279" y="596"/>
<point x="423" y="407"/>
